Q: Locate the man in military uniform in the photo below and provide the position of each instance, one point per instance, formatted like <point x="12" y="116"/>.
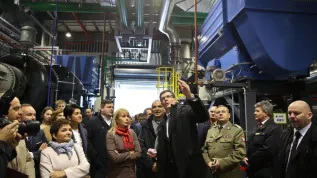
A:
<point x="224" y="146"/>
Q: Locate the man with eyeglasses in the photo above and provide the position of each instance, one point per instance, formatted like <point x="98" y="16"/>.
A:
<point x="178" y="151"/>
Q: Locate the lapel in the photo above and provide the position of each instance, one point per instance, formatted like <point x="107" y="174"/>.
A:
<point x="303" y="145"/>
<point x="103" y="122"/>
<point x="172" y="120"/>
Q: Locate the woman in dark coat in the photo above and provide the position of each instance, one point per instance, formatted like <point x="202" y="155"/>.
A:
<point x="123" y="147"/>
<point x="72" y="113"/>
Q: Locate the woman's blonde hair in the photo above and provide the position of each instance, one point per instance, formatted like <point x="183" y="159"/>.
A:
<point x="55" y="113"/>
<point x="119" y="112"/>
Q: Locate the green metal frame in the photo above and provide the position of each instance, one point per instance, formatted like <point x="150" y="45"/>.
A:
<point x="178" y="18"/>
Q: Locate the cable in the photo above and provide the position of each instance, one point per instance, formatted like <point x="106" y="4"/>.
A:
<point x="51" y="62"/>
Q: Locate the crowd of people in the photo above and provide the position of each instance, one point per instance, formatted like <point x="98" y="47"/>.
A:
<point x="167" y="140"/>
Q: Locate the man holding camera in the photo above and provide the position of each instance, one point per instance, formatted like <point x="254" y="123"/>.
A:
<point x="9" y="139"/>
<point x="23" y="162"/>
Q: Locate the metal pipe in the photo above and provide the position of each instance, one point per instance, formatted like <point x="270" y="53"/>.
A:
<point x="139" y="8"/>
<point x="122" y="9"/>
<point x="196" y="43"/>
<point x="41" y="26"/>
<point x="9" y="24"/>
<point x="166" y="28"/>
<point x="82" y="27"/>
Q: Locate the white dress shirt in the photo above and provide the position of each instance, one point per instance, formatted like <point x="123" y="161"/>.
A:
<point x="302" y="131"/>
<point x="167" y="123"/>
<point x="106" y="120"/>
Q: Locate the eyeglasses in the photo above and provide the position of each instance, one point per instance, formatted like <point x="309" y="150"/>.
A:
<point x="166" y="97"/>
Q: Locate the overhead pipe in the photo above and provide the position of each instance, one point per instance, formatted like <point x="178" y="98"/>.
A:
<point x="40" y="25"/>
<point x="122" y="8"/>
<point x="139" y="9"/>
<point x="166" y="28"/>
<point x="90" y="40"/>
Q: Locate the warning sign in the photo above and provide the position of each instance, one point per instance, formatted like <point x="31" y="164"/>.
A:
<point x="280" y="118"/>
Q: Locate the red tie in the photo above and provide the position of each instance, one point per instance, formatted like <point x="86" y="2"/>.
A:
<point x="259" y="124"/>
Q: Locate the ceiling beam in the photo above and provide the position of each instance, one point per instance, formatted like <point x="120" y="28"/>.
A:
<point x="94" y="8"/>
<point x="67" y="28"/>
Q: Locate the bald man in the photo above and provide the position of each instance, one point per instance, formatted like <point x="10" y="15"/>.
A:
<point x="147" y="140"/>
<point x="298" y="153"/>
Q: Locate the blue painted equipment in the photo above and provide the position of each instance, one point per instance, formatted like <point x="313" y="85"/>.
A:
<point x="256" y="39"/>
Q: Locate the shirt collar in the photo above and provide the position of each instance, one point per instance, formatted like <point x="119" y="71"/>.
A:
<point x="223" y="126"/>
<point x="263" y="122"/>
<point x="304" y="130"/>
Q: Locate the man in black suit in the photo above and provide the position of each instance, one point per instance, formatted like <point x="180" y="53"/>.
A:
<point x="262" y="142"/>
<point x="97" y="129"/>
<point x="297" y="156"/>
<point x="35" y="144"/>
<point x="178" y="151"/>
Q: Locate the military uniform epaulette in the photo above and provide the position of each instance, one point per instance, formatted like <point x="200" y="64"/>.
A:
<point x="236" y="125"/>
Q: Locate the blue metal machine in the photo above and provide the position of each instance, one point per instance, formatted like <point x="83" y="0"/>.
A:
<point x="260" y="39"/>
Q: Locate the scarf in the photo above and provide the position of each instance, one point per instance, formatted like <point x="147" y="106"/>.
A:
<point x="63" y="147"/>
<point x="126" y="137"/>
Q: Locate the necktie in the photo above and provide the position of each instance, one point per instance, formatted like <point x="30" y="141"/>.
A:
<point x="260" y="124"/>
<point x="294" y="147"/>
<point x="220" y="128"/>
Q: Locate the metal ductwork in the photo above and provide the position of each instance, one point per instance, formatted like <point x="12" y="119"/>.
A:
<point x="139" y="21"/>
<point x="166" y="28"/>
<point x="122" y="6"/>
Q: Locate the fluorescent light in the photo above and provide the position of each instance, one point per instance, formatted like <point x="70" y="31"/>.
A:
<point x="68" y="35"/>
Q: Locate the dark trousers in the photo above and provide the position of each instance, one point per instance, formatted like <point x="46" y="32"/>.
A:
<point x="98" y="173"/>
<point x="171" y="170"/>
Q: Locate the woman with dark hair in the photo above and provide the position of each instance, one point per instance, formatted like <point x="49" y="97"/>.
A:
<point x="122" y="146"/>
<point x="46" y="117"/>
<point x="72" y="113"/>
<point x="63" y="158"/>
<point x="56" y="115"/>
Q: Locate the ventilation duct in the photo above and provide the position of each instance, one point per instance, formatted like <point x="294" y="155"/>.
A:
<point x="166" y="28"/>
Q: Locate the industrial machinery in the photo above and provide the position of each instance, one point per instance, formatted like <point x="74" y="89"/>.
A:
<point x="30" y="79"/>
<point x="265" y="49"/>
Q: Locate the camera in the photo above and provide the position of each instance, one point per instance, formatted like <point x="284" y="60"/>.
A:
<point x="31" y="128"/>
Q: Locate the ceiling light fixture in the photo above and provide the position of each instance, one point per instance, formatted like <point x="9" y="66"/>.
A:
<point x="68" y="35"/>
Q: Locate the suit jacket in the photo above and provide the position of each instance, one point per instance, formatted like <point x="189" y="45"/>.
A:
<point x="97" y="130"/>
<point x="262" y="148"/>
<point x="183" y="136"/>
<point x="147" y="140"/>
<point x="84" y="138"/>
<point x="34" y="143"/>
<point x="304" y="163"/>
<point x="23" y="161"/>
<point x="7" y="153"/>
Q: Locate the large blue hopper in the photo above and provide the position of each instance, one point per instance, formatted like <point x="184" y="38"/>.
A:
<point x="280" y="36"/>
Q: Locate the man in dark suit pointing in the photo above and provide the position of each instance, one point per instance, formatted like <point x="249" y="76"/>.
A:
<point x="178" y="152"/>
